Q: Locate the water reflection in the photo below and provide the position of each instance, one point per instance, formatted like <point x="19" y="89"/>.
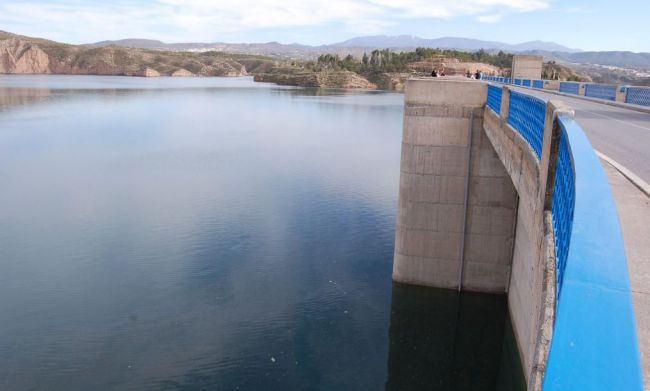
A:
<point x="443" y="340"/>
<point x="195" y="234"/>
<point x="22" y="96"/>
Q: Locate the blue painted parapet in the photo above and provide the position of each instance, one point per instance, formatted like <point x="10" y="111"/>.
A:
<point x="570" y="88"/>
<point x="594" y="342"/>
<point x="637" y="95"/>
<point x="601" y="91"/>
<point x="526" y="83"/>
<point x="594" y="345"/>
<point x="538" y="84"/>
<point x="518" y="82"/>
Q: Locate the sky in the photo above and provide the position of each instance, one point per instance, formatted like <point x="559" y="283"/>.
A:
<point x="580" y="24"/>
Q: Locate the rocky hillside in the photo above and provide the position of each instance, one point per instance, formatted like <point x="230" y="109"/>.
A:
<point x="323" y="79"/>
<point x="554" y="71"/>
<point x="25" y="55"/>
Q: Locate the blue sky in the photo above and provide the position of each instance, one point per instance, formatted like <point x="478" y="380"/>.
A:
<point x="583" y="24"/>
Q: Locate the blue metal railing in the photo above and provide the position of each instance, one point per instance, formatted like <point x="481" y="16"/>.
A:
<point x="494" y="98"/>
<point x="601" y="91"/>
<point x="633" y="95"/>
<point x="570" y="88"/>
<point x="594" y="345"/>
<point x="638" y="96"/>
<point x="563" y="204"/>
<point x="527" y="115"/>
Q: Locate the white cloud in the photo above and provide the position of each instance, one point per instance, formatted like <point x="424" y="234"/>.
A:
<point x="181" y="20"/>
<point x="494" y="18"/>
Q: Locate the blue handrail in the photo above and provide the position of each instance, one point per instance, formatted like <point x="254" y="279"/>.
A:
<point x="594" y="345"/>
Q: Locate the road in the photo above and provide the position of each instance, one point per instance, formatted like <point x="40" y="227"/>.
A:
<point x="621" y="134"/>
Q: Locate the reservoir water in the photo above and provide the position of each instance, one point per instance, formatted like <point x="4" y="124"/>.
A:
<point x="216" y="233"/>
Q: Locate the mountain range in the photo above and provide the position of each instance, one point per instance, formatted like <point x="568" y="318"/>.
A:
<point x="367" y="42"/>
<point x="357" y="46"/>
<point x="410" y="41"/>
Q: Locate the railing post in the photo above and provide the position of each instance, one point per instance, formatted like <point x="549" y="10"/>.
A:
<point x="505" y="104"/>
<point x="621" y="91"/>
<point x="550" y="148"/>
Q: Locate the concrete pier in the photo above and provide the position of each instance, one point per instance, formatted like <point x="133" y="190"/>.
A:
<point x="471" y="208"/>
<point x="480" y="208"/>
<point x="457" y="204"/>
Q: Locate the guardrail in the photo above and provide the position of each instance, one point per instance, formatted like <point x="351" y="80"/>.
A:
<point x="601" y="91"/>
<point x="594" y="344"/>
<point x="637" y="95"/>
<point x="494" y="98"/>
<point x="527" y="115"/>
<point x="570" y="87"/>
<point x="563" y="205"/>
<point x="628" y="94"/>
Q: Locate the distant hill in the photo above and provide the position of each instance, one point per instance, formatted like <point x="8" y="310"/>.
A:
<point x="410" y="41"/>
<point x="354" y="45"/>
<point x="133" y="43"/>
<point x="610" y="58"/>
<point x="357" y="46"/>
<point x="27" y="55"/>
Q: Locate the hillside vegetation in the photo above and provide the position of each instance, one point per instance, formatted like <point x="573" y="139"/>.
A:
<point x="390" y="61"/>
<point x="19" y="54"/>
<point x="384" y="69"/>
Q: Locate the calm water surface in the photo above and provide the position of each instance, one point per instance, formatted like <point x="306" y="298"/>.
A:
<point x="211" y="233"/>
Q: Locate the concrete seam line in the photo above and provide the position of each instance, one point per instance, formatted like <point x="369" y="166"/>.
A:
<point x="632" y="177"/>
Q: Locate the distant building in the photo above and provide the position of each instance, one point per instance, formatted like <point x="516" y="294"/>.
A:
<point x="527" y="67"/>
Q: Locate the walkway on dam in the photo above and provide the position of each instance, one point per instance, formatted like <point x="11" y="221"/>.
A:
<point x="624" y="136"/>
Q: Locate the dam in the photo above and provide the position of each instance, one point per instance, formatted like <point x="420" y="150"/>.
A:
<point x="202" y="248"/>
<point x="501" y="192"/>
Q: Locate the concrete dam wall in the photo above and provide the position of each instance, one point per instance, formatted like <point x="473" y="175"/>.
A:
<point x="497" y="194"/>
<point x="471" y="208"/>
<point x="457" y="204"/>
